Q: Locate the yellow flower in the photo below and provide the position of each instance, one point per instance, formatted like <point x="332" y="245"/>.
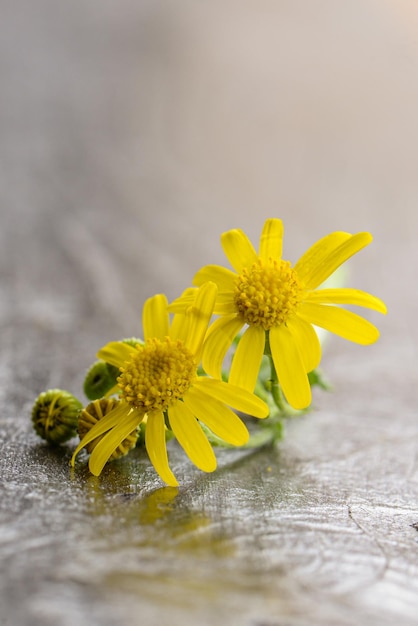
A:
<point x="278" y="305"/>
<point x="159" y="382"/>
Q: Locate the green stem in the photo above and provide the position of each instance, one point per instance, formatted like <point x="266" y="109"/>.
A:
<point x="275" y="389"/>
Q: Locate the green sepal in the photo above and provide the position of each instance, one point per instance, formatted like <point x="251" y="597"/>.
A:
<point x="318" y="379"/>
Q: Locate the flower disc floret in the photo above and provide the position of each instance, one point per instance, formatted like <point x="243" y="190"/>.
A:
<point x="267" y="293"/>
<point x="157" y="375"/>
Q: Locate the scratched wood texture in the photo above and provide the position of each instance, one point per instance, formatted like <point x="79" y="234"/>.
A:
<point x="132" y="135"/>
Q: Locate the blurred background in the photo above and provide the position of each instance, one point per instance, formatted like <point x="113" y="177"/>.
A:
<point x="174" y="121"/>
<point x="134" y="132"/>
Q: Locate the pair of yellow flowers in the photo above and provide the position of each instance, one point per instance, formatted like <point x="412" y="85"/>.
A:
<point x="275" y="303"/>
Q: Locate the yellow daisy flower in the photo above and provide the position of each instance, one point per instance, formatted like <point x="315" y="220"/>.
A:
<point x="159" y="383"/>
<point x="278" y="305"/>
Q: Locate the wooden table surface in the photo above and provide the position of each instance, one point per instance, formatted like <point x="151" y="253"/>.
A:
<point x="132" y="135"/>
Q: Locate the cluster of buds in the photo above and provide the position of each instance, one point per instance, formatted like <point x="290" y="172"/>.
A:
<point x="58" y="416"/>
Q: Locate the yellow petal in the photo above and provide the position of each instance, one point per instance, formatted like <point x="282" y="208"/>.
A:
<point x="155" y="317"/>
<point x="346" y="296"/>
<point x="191" y="437"/>
<point x="112" y="419"/>
<point x="247" y="358"/>
<point x="316" y="254"/>
<point x="181" y="304"/>
<point x="271" y="241"/>
<point x="225" y="304"/>
<point x="218" y="340"/>
<point x="180" y="323"/>
<point x="339" y="321"/>
<point x="238" y="249"/>
<point x="199" y="315"/>
<point x="179" y="327"/>
<point x="112" y="391"/>
<point x="224" y="278"/>
<point x="116" y="353"/>
<point x="106" y="446"/>
<point x="334" y="259"/>
<point x="307" y="342"/>
<point x="233" y="396"/>
<point x="223" y="422"/>
<point x="290" y="367"/>
<point x="156" y="447"/>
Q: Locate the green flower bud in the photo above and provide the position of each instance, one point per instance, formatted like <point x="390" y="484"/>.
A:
<point x="94" y="412"/>
<point x="55" y="415"/>
<point x="101" y="377"/>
